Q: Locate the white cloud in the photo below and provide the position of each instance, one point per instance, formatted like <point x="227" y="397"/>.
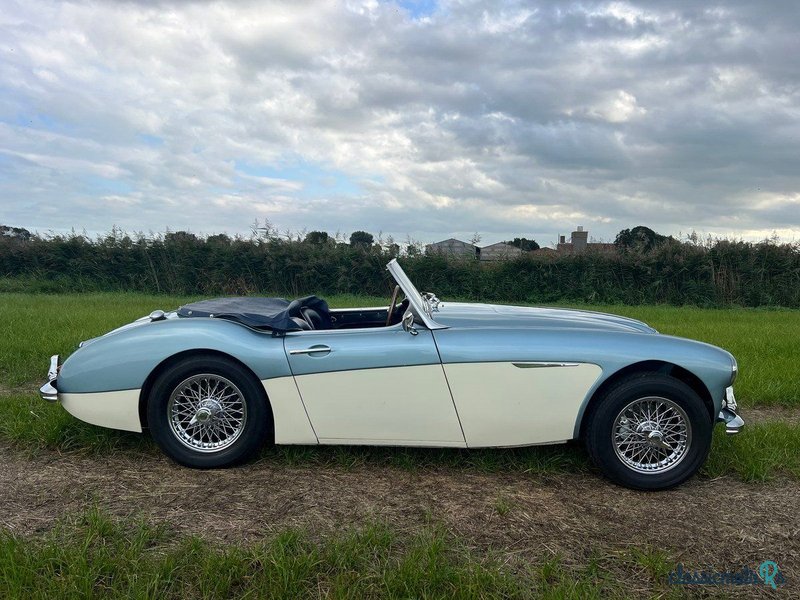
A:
<point x="512" y="119"/>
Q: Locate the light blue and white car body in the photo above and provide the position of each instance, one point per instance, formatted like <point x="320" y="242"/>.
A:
<point x="447" y="375"/>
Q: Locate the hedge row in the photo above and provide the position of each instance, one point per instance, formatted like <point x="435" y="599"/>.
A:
<point x="717" y="274"/>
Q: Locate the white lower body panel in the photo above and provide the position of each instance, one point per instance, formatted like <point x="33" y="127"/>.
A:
<point x="115" y="410"/>
<point x="399" y="406"/>
<point x="501" y="404"/>
<point x="288" y="413"/>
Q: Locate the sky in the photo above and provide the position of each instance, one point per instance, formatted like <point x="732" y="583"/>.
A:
<point x="422" y="120"/>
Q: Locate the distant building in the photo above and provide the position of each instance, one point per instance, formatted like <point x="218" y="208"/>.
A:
<point x="499" y="251"/>
<point x="453" y="248"/>
<point x="579" y="242"/>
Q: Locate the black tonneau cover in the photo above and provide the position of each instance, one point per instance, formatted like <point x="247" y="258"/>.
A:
<point x="262" y="313"/>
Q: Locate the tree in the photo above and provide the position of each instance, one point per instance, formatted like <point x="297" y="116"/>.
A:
<point x="180" y="237"/>
<point x="524" y="244"/>
<point x="639" y="238"/>
<point x="361" y="238"/>
<point x="17" y="233"/>
<point x="218" y="239"/>
<point x="475" y="239"/>
<point x="317" y="238"/>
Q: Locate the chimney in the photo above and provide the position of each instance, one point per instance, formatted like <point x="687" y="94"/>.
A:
<point x="562" y="239"/>
<point x="579" y="239"/>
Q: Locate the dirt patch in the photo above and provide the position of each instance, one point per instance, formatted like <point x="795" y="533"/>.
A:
<point x="722" y="523"/>
<point x="763" y="414"/>
<point x="18" y="390"/>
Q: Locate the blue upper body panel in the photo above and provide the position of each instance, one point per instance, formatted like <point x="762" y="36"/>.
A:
<point x="496" y="316"/>
<point x="123" y="358"/>
<point x="352" y="349"/>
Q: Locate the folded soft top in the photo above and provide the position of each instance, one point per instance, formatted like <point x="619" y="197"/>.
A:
<point x="262" y="313"/>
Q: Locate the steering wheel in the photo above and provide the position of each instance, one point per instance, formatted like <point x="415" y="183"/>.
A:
<point x="392" y="305"/>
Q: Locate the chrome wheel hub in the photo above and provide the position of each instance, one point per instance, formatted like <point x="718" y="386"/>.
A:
<point x="652" y="435"/>
<point x="207" y="412"/>
<point x="209" y="408"/>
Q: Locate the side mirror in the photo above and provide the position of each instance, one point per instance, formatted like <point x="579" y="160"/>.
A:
<point x="408" y="323"/>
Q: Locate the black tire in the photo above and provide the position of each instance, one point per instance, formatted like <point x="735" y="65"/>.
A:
<point x="601" y="429"/>
<point x="250" y="406"/>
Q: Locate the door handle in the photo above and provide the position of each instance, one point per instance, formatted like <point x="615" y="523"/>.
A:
<point x="312" y="350"/>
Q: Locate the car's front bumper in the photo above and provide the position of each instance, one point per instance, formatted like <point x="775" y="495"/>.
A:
<point x="733" y="422"/>
<point x="49" y="391"/>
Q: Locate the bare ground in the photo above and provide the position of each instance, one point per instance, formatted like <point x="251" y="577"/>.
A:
<point x="720" y="523"/>
<point x="762" y="414"/>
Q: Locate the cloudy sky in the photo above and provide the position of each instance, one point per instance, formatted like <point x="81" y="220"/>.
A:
<point x="419" y="118"/>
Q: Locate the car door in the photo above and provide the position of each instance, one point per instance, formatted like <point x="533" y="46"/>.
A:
<point x="380" y="385"/>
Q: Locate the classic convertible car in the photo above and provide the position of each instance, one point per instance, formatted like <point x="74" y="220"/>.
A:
<point x="216" y="379"/>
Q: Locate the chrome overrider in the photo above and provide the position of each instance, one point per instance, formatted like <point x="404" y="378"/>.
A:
<point x="733" y="422"/>
<point x="48" y="390"/>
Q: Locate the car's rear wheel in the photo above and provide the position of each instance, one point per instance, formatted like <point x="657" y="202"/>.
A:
<point x="649" y="432"/>
<point x="207" y="412"/>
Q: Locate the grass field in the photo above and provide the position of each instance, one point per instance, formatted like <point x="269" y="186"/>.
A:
<point x="94" y="556"/>
<point x="91" y="554"/>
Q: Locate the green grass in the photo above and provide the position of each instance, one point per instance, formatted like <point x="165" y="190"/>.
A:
<point x="759" y="453"/>
<point x="95" y="556"/>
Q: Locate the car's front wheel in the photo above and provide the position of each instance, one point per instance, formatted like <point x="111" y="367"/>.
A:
<point x="649" y="432"/>
<point x="207" y="412"/>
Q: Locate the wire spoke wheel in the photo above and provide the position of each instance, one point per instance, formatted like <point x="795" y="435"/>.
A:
<point x="207" y="412"/>
<point x="651" y="435"/>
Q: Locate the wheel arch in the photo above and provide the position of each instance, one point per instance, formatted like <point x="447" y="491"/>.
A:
<point x="180" y="356"/>
<point x="648" y="366"/>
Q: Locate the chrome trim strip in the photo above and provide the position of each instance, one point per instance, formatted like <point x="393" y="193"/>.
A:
<point x="543" y="365"/>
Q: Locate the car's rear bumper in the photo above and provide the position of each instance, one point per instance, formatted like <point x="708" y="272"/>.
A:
<point x="733" y="422"/>
<point x="49" y="391"/>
